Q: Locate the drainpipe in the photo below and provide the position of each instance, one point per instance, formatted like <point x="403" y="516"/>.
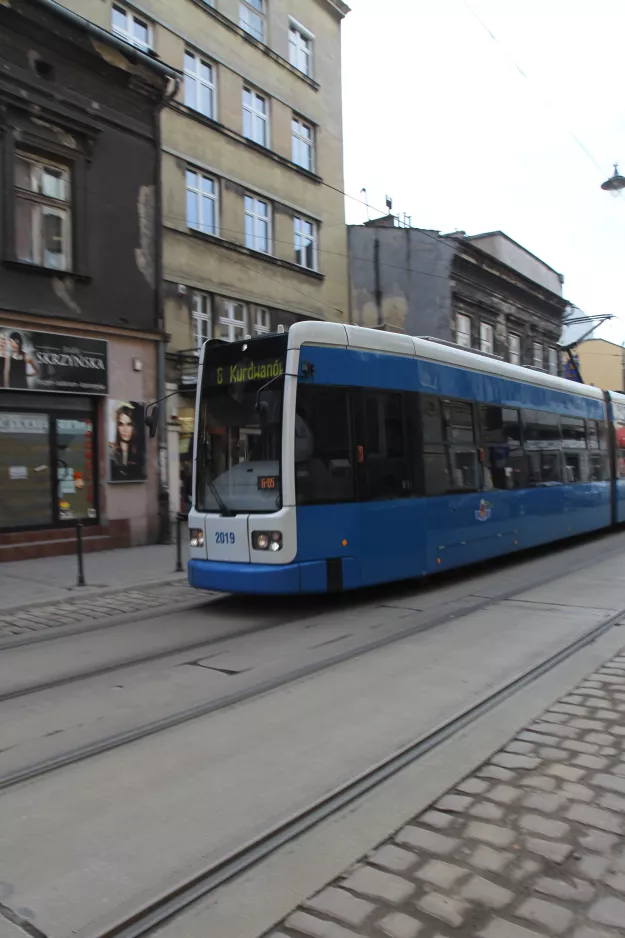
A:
<point x="163" y="484"/>
<point x="378" y="281"/>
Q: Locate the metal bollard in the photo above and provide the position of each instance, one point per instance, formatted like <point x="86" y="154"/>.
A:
<point x="179" y="519"/>
<point x="81" y="569"/>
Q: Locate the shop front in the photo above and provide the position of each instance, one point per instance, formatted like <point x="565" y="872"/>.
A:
<point x="50" y="385"/>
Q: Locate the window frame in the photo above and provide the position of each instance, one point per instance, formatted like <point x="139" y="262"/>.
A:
<point x="465" y="319"/>
<point x="252" y="10"/>
<point x="257" y="118"/>
<point x="264" y="326"/>
<point x="552" y="360"/>
<point x="201" y="194"/>
<point x="517" y="359"/>
<point x="487" y="338"/>
<point x="42" y="206"/>
<point x="230" y="322"/>
<point x="127" y="35"/>
<point x="535" y="346"/>
<point x="314" y="237"/>
<point x="200" y="298"/>
<point x="257" y="219"/>
<point x="301" y="143"/>
<point x="199" y="82"/>
<point x="297" y="50"/>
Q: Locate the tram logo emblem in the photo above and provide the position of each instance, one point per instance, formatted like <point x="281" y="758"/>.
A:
<point x="484" y="512"/>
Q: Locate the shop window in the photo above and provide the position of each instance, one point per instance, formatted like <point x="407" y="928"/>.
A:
<point x="25" y="470"/>
<point x="75" y="468"/>
<point x="324" y="454"/>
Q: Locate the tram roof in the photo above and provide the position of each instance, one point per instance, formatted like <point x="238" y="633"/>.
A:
<point x="391" y="343"/>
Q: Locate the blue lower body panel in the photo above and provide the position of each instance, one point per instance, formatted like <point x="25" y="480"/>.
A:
<point x="256" y="578"/>
<point x="350" y="546"/>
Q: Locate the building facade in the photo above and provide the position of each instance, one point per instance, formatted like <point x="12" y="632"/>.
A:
<point x="252" y="172"/>
<point x="602" y="363"/>
<point x="80" y="320"/>
<point x="484" y="292"/>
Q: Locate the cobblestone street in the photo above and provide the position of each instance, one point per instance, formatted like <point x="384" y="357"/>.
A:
<point x="530" y="845"/>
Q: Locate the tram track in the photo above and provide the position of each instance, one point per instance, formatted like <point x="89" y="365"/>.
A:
<point x="114" y="741"/>
<point x="161" y="909"/>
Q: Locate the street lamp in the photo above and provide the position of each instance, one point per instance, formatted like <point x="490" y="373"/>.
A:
<point x="615" y="183"/>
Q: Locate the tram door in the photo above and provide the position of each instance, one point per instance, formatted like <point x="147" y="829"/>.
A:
<point x="385" y="436"/>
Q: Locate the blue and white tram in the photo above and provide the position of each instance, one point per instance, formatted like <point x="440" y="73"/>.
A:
<point x="335" y="457"/>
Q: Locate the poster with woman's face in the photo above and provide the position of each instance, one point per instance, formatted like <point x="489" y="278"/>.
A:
<point x="127" y="442"/>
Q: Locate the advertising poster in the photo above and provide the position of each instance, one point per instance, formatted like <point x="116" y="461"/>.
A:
<point x="127" y="440"/>
<point x="46" y="361"/>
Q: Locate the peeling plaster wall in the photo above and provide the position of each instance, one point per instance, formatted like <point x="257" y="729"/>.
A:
<point x="404" y="282"/>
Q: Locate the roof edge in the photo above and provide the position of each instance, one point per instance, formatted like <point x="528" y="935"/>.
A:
<point x="339" y="6"/>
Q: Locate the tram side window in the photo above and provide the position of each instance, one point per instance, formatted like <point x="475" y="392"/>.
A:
<point x="575" y="459"/>
<point x="543" y="445"/>
<point x="383" y="447"/>
<point x="324" y="469"/>
<point x="436" y="476"/>
<point x="595" y="468"/>
<point x="462" y="451"/>
<point x="619" y="443"/>
<point x="504" y="459"/>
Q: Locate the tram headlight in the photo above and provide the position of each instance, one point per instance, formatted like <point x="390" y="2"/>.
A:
<point x="267" y="540"/>
<point x="196" y="537"/>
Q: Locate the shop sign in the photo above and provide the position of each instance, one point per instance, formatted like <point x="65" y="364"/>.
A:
<point x="47" y="361"/>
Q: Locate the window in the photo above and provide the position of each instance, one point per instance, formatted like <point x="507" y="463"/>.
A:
<point x="463" y="330"/>
<point x="300" y="47"/>
<point x="504" y="459"/>
<point x="199" y="84"/>
<point x="134" y="29"/>
<point x="305" y="237"/>
<point x="201" y="315"/>
<point x="324" y="463"/>
<point x="514" y="348"/>
<point x="544" y="468"/>
<point x="202" y="202"/>
<point x="42" y="213"/>
<point x="252" y="18"/>
<point x="257" y="224"/>
<point x="542" y="442"/>
<point x="542" y="430"/>
<point x="302" y="144"/>
<point x="255" y="117"/>
<point x="382" y="447"/>
<point x="537" y="355"/>
<point x="232" y="321"/>
<point x="552" y="358"/>
<point x="462" y="453"/>
<point x="262" y="320"/>
<point x="573" y="433"/>
<point x="486" y="338"/>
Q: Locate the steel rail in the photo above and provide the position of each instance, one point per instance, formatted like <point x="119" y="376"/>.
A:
<point x="163" y="908"/>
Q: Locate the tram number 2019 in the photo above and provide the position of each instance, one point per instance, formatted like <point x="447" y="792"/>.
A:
<point x="224" y="537"/>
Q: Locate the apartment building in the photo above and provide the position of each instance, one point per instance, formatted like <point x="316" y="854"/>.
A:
<point x="253" y="214"/>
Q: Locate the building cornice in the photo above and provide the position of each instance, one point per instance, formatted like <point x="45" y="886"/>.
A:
<point x="338" y="6"/>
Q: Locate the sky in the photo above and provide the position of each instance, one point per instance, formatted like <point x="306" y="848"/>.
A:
<point x="437" y="115"/>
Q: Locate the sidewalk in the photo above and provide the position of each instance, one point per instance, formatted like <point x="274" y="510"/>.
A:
<point x="532" y="845"/>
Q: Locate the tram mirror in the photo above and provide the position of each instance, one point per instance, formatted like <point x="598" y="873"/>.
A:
<point x="262" y="412"/>
<point x="151" y="421"/>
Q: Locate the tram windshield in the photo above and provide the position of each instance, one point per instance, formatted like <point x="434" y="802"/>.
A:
<point x="240" y="427"/>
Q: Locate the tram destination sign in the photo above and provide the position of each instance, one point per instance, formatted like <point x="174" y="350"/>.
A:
<point x="245" y="370"/>
<point x="49" y="361"/>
